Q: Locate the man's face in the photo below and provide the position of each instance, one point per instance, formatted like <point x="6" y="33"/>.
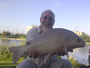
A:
<point x="47" y="19"/>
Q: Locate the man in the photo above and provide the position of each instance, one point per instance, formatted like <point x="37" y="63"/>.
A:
<point x="35" y="59"/>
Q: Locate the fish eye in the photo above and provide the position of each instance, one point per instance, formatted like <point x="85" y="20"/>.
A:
<point x="78" y="40"/>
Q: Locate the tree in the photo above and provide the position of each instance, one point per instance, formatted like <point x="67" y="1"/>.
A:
<point x="85" y="37"/>
<point x="75" y="63"/>
<point x="4" y="33"/>
<point x="8" y="33"/>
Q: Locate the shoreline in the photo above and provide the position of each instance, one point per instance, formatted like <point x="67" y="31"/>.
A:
<point x="88" y="43"/>
<point x="12" y="39"/>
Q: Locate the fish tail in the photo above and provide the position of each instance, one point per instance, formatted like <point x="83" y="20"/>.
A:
<point x="16" y="53"/>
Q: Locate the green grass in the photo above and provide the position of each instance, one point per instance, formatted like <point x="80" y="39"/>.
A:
<point x="7" y="64"/>
<point x="88" y="43"/>
<point x="13" y="38"/>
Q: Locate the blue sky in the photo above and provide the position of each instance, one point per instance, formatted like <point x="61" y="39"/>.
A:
<point x="16" y="15"/>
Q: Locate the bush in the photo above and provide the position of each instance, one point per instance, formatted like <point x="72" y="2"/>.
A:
<point x="6" y="55"/>
<point x="75" y="63"/>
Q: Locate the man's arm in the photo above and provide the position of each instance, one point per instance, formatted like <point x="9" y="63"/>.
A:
<point x="31" y="36"/>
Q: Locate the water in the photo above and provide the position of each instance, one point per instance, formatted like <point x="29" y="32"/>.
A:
<point x="9" y="42"/>
<point x="80" y="54"/>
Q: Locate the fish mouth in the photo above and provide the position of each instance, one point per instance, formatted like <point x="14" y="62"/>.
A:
<point x="70" y="50"/>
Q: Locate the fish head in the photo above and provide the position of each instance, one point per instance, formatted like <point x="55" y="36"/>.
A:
<point x="75" y="42"/>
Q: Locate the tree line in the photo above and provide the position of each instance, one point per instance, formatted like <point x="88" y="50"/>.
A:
<point x="7" y="34"/>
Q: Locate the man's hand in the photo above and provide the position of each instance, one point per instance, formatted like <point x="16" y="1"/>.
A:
<point x="61" y="51"/>
<point x="34" y="54"/>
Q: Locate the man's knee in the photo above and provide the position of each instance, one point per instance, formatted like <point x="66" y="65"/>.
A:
<point x="63" y="63"/>
<point x="25" y="64"/>
<point x="66" y="63"/>
<point x="59" y="63"/>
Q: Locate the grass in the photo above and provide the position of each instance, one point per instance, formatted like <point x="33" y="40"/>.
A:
<point x="7" y="64"/>
<point x="88" y="43"/>
<point x="13" y="38"/>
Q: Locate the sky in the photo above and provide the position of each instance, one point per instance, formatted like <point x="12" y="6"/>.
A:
<point x="16" y="15"/>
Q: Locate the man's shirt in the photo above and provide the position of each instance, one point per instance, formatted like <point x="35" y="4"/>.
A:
<point x="31" y="35"/>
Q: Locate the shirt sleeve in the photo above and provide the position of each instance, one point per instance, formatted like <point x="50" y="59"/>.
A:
<point x="31" y="35"/>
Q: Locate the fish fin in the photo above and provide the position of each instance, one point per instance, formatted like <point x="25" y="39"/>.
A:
<point x="66" y="51"/>
<point x="16" y="53"/>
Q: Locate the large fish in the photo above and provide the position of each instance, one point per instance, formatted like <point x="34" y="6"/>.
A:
<point x="48" y="42"/>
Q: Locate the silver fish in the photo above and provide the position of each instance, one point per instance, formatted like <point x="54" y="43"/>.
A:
<point x="48" y="42"/>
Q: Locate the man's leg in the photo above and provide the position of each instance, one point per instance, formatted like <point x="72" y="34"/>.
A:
<point x="26" y="64"/>
<point x="59" y="63"/>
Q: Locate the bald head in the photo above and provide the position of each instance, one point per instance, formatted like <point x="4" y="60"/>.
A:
<point x="48" y="11"/>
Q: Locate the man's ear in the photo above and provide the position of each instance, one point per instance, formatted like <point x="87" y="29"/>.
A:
<point x="54" y="22"/>
<point x="40" y="19"/>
